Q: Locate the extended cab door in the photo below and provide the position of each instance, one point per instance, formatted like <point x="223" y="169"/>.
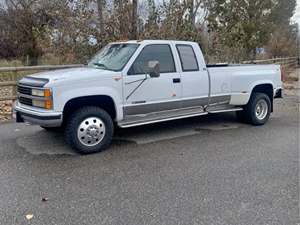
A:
<point x="194" y="75"/>
<point x="144" y="95"/>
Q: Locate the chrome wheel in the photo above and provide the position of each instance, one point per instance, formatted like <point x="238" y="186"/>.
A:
<point x="261" y="109"/>
<point x="91" y="131"/>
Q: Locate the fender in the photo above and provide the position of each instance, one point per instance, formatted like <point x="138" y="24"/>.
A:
<point x="65" y="96"/>
<point x="256" y="83"/>
<point x="242" y="98"/>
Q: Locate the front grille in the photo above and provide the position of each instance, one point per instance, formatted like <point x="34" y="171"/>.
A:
<point x="24" y="90"/>
<point x="25" y="101"/>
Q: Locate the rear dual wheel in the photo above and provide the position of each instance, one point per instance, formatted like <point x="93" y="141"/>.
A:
<point x="257" y="112"/>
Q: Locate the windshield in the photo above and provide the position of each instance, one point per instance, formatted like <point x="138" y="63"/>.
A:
<point x="113" y="56"/>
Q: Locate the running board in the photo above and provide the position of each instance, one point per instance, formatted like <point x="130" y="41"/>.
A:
<point x="140" y="120"/>
<point x="134" y="121"/>
<point x="126" y="125"/>
<point x="225" y="110"/>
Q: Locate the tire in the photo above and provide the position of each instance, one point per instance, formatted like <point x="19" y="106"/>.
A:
<point x="258" y="110"/>
<point x="53" y="129"/>
<point x="241" y="116"/>
<point x="89" y="130"/>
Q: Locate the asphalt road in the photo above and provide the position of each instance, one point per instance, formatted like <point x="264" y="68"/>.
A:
<point x="206" y="170"/>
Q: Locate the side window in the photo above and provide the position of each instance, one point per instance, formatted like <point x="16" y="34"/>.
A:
<point x="159" y="52"/>
<point x="187" y="57"/>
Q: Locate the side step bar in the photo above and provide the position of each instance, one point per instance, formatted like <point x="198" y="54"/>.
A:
<point x="133" y="124"/>
<point x="225" y="110"/>
<point x="171" y="116"/>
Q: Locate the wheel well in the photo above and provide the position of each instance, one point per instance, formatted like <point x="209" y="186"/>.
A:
<point x="102" y="101"/>
<point x="266" y="89"/>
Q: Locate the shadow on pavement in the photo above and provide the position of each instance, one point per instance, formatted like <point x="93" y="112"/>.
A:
<point x="51" y="143"/>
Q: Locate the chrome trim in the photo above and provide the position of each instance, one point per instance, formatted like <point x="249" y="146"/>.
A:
<point x="91" y="131"/>
<point x="32" y="117"/>
<point x="160" y="120"/>
<point x="168" y="111"/>
<point x="37" y="113"/>
<point x="34" y="97"/>
<point x="31" y="87"/>
<point x="261" y="109"/>
<point x="225" y="110"/>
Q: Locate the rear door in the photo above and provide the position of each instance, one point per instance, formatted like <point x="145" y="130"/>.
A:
<point x="194" y="76"/>
<point x="144" y="96"/>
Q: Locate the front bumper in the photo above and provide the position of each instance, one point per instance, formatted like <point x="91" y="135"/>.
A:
<point x="47" y="119"/>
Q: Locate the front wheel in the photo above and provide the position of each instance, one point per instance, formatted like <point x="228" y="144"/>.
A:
<point x="89" y="130"/>
<point x="257" y="112"/>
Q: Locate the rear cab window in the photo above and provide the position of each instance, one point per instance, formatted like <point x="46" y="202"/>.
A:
<point x="187" y="57"/>
<point x="158" y="52"/>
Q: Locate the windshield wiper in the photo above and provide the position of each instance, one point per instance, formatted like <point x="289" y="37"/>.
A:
<point x="101" y="65"/>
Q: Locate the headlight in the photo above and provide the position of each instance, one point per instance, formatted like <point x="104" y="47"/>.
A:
<point x="37" y="92"/>
<point x="38" y="103"/>
<point x="41" y="92"/>
<point x="46" y="104"/>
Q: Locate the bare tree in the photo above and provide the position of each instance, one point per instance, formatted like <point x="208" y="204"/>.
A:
<point x="193" y="7"/>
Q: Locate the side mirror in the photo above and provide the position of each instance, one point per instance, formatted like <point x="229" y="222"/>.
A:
<point x="154" y="70"/>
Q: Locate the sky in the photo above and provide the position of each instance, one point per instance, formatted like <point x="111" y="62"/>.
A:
<point x="296" y="17"/>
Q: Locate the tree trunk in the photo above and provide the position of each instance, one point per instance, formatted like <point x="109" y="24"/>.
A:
<point x="134" y="19"/>
<point x="191" y="12"/>
<point x="100" y="16"/>
<point x="33" y="52"/>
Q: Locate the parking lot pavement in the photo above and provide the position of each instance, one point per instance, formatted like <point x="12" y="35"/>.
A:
<point x="205" y="170"/>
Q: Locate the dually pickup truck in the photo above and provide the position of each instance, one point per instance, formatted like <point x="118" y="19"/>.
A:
<point x="135" y="83"/>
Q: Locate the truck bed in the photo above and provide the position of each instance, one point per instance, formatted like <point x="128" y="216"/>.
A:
<point x="241" y="78"/>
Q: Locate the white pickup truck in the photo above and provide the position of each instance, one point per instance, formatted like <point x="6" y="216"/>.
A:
<point x="141" y="82"/>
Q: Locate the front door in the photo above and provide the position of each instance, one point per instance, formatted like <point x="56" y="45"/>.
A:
<point x="144" y="95"/>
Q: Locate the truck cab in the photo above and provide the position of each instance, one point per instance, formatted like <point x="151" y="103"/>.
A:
<point x="135" y="83"/>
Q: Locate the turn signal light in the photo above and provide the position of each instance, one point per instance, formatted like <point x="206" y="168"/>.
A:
<point x="48" y="104"/>
<point x="47" y="93"/>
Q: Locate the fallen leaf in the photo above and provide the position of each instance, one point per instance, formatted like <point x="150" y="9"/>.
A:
<point x="29" y="216"/>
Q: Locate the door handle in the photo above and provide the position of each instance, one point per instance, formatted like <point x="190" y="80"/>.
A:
<point x="176" y="80"/>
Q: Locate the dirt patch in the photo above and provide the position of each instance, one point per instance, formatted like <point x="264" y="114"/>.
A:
<point x="291" y="84"/>
<point x="5" y="110"/>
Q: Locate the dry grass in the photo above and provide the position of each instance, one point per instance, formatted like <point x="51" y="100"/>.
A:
<point x="6" y="106"/>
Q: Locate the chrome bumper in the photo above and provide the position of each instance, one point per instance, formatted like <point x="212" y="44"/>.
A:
<point x="47" y="119"/>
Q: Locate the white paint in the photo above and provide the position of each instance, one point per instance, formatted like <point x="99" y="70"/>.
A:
<point x="239" y="98"/>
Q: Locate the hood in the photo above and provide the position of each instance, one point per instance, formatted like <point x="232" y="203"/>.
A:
<point x="73" y="73"/>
